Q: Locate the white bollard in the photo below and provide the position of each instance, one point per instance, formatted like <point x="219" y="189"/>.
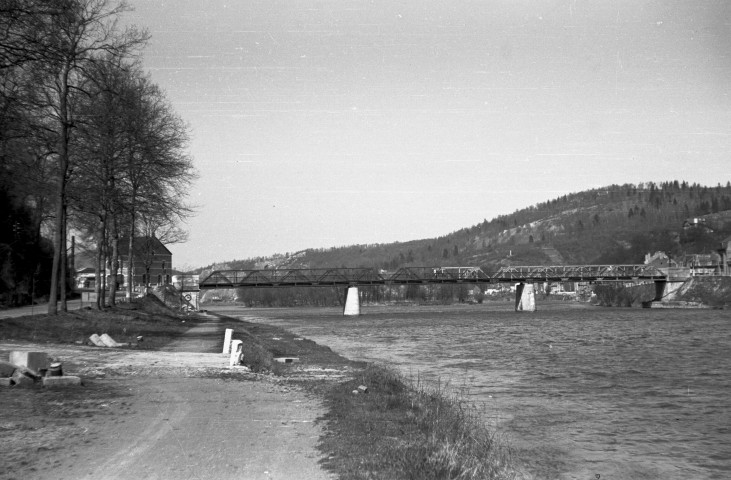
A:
<point x="236" y="348"/>
<point x="227" y="340"/>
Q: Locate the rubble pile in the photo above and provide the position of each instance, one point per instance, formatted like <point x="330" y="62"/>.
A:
<point x="30" y="368"/>
<point x="104" y="340"/>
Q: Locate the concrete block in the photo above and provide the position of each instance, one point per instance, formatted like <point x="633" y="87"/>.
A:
<point x="287" y="359"/>
<point x="5" y="381"/>
<point x="6" y="369"/>
<point x="109" y="341"/>
<point x="237" y="355"/>
<point x="22" y="380"/>
<point x="65" y="381"/>
<point x="34" y="360"/>
<point x="96" y="340"/>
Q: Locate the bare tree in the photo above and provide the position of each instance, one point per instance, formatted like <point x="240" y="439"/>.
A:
<point x="72" y="38"/>
<point x="134" y="170"/>
<point x="158" y="172"/>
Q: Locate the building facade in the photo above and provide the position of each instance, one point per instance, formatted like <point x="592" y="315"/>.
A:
<point x="152" y="265"/>
<point x="152" y="262"/>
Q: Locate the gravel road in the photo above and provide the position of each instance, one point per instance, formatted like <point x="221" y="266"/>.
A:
<point x="176" y="414"/>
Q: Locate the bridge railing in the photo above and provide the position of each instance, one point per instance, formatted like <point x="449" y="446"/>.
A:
<point x="292" y="277"/>
<point x="341" y="276"/>
<point x="407" y="275"/>
<point x="578" y="273"/>
<point x="425" y="275"/>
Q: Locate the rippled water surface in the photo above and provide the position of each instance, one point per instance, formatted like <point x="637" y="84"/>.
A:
<point x="579" y="391"/>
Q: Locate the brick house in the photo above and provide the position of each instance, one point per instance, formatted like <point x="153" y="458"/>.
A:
<point x="152" y="262"/>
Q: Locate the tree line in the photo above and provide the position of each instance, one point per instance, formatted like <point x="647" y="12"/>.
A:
<point x="88" y="144"/>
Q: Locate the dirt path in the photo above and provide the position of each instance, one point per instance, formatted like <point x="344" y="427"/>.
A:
<point x="176" y="414"/>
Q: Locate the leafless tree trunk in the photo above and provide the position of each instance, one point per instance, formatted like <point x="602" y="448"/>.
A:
<point x="114" y="261"/>
<point x="100" y="267"/>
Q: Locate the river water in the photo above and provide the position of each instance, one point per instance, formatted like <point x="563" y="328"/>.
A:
<point x="580" y="392"/>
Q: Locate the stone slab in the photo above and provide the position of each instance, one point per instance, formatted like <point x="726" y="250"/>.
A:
<point x="28" y="372"/>
<point x="109" y="341"/>
<point x="95" y="340"/>
<point x="6" y="381"/>
<point x="22" y="380"/>
<point x="34" y="360"/>
<point x="7" y="369"/>
<point x="65" y="381"/>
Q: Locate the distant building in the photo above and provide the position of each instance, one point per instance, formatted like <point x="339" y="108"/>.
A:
<point x="660" y="260"/>
<point x="86" y="277"/>
<point x="702" y="263"/>
<point x="725" y="253"/>
<point x="697" y="223"/>
<point x="152" y="264"/>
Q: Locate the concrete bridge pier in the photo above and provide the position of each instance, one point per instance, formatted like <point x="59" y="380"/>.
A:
<point x="525" y="297"/>
<point x="666" y="289"/>
<point x="352" y="302"/>
<point x="660" y="290"/>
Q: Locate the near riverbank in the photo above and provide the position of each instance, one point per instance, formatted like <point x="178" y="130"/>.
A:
<point x="170" y="408"/>
<point x="697" y="292"/>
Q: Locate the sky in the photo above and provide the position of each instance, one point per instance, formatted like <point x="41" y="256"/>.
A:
<point x="318" y="123"/>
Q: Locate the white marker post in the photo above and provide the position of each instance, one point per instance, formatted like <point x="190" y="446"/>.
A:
<point x="227" y="340"/>
<point x="236" y="348"/>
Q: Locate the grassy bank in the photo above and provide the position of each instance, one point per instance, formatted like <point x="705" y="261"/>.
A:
<point x="396" y="429"/>
<point x="148" y="318"/>
<point x="399" y="429"/>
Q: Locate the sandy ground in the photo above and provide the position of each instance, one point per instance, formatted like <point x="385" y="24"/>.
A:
<point x="175" y="414"/>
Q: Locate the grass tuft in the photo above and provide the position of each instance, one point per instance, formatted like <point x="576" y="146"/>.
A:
<point x="258" y="358"/>
<point x="402" y="429"/>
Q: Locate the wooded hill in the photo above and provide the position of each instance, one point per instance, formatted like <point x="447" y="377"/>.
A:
<point x="616" y="224"/>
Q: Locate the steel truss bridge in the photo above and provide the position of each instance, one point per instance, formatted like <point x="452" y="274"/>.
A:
<point x="354" y="277"/>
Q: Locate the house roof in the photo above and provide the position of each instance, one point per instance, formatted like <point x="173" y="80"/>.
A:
<point x="143" y="245"/>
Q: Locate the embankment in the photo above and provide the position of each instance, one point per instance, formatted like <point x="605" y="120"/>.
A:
<point x="713" y="292"/>
<point x="697" y="292"/>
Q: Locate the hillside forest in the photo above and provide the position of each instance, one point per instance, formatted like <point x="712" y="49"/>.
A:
<point x="618" y="224"/>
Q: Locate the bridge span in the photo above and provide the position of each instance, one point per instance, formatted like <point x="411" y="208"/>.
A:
<point x="352" y="278"/>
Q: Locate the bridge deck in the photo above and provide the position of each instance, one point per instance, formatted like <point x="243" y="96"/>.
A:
<point x="321" y="277"/>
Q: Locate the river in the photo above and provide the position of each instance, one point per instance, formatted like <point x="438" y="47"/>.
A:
<point x="580" y="392"/>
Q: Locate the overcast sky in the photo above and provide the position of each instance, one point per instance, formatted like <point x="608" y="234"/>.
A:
<point x="328" y="123"/>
